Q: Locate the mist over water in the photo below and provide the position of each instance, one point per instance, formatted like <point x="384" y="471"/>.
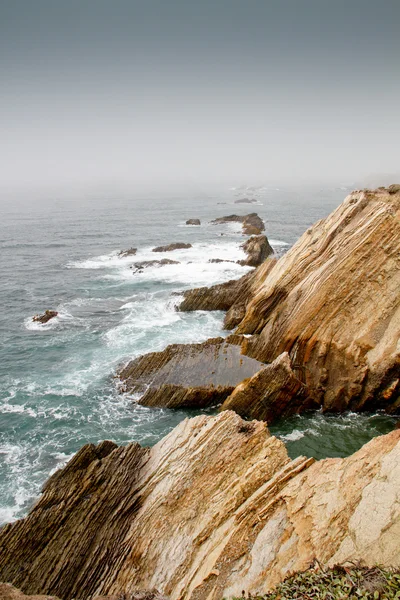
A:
<point x="57" y="384"/>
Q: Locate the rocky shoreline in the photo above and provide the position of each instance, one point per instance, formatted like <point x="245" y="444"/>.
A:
<point x="217" y="506"/>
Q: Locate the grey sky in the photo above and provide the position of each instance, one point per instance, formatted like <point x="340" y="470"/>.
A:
<point x="96" y="91"/>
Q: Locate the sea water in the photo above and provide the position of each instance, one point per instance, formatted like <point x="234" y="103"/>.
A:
<point x="58" y="389"/>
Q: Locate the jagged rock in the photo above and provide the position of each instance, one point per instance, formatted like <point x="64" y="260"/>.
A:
<point x="170" y="247"/>
<point x="214" y="508"/>
<point x="231" y="296"/>
<point x="246" y="201"/>
<point x="394" y="188"/>
<point x="332" y="302"/>
<point x="257" y="249"/>
<point x="220" y="260"/>
<point x="273" y="391"/>
<point x="129" y="252"/>
<point x="46" y="316"/>
<point x="252" y="224"/>
<point x="188" y="375"/>
<point x="193" y="222"/>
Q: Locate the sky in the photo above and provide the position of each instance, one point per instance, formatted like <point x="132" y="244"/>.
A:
<point x="128" y="92"/>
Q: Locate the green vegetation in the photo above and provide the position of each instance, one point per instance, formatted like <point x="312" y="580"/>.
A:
<point x="351" y="582"/>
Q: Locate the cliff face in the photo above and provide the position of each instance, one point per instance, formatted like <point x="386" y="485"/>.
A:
<point x="333" y="303"/>
<point x="215" y="507"/>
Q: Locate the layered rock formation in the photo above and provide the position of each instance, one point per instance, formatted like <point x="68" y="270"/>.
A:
<point x="332" y="302"/>
<point x="214" y="508"/>
<point x="252" y="224"/>
<point x="188" y="375"/>
<point x="274" y="390"/>
<point x="257" y="249"/>
<point x="170" y="247"/>
<point x="232" y="296"/>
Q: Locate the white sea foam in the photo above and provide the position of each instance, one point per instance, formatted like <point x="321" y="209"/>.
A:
<point x="293" y="436"/>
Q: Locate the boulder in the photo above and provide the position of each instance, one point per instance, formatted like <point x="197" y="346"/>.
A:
<point x="193" y="222"/>
<point x="129" y="252"/>
<point x="220" y="260"/>
<point x="170" y="247"/>
<point x="332" y="302"/>
<point x="216" y="507"/>
<point x="257" y="249"/>
<point x="46" y="316"/>
<point x="273" y="391"/>
<point x="188" y="375"/>
<point x="154" y="263"/>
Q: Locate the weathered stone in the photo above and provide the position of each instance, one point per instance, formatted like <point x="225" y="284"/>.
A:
<point x="46" y="316"/>
<point x="9" y="592"/>
<point x="332" y="302"/>
<point x="272" y="392"/>
<point x="214" y="508"/>
<point x="154" y="263"/>
<point x="129" y="252"/>
<point x="193" y="222"/>
<point x="170" y="247"/>
<point x="231" y="296"/>
<point x="188" y="375"/>
<point x="257" y="249"/>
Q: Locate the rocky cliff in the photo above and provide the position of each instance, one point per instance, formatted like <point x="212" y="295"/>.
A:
<point x="333" y="303"/>
<point x="215" y="507"/>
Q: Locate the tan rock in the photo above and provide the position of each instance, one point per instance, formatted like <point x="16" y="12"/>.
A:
<point x="232" y="296"/>
<point x="214" y="508"/>
<point x="273" y="391"/>
<point x="333" y="303"/>
<point x="252" y="224"/>
<point x="257" y="249"/>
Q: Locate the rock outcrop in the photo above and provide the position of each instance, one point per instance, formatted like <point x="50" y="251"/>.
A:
<point x="214" y="508"/>
<point x="252" y="224"/>
<point x="139" y="266"/>
<point x="193" y="222"/>
<point x="170" y="247"/>
<point x="273" y="391"/>
<point x="257" y="249"/>
<point x="188" y="375"/>
<point x="45" y="317"/>
<point x="129" y="252"/>
<point x="332" y="302"/>
<point x="232" y="296"/>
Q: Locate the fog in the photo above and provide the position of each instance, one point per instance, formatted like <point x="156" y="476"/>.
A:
<point x="167" y="93"/>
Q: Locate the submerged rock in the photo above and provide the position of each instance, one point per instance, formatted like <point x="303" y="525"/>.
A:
<point x="154" y="263"/>
<point x="246" y="201"/>
<point x="188" y="375"/>
<point x="193" y="222"/>
<point x="129" y="252"/>
<point x="214" y="508"/>
<point x="45" y="317"/>
<point x="175" y="246"/>
<point x="257" y="249"/>
<point x="252" y="224"/>
<point x="332" y="302"/>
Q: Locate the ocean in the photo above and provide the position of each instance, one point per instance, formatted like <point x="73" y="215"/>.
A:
<point x="58" y="389"/>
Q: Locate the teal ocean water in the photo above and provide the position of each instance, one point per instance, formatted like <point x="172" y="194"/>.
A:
<point x="57" y="381"/>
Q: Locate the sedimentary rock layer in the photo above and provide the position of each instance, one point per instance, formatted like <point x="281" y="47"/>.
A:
<point x="232" y="296"/>
<point x="188" y="375"/>
<point x="272" y="391"/>
<point x="333" y="303"/>
<point x="215" y="507"/>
